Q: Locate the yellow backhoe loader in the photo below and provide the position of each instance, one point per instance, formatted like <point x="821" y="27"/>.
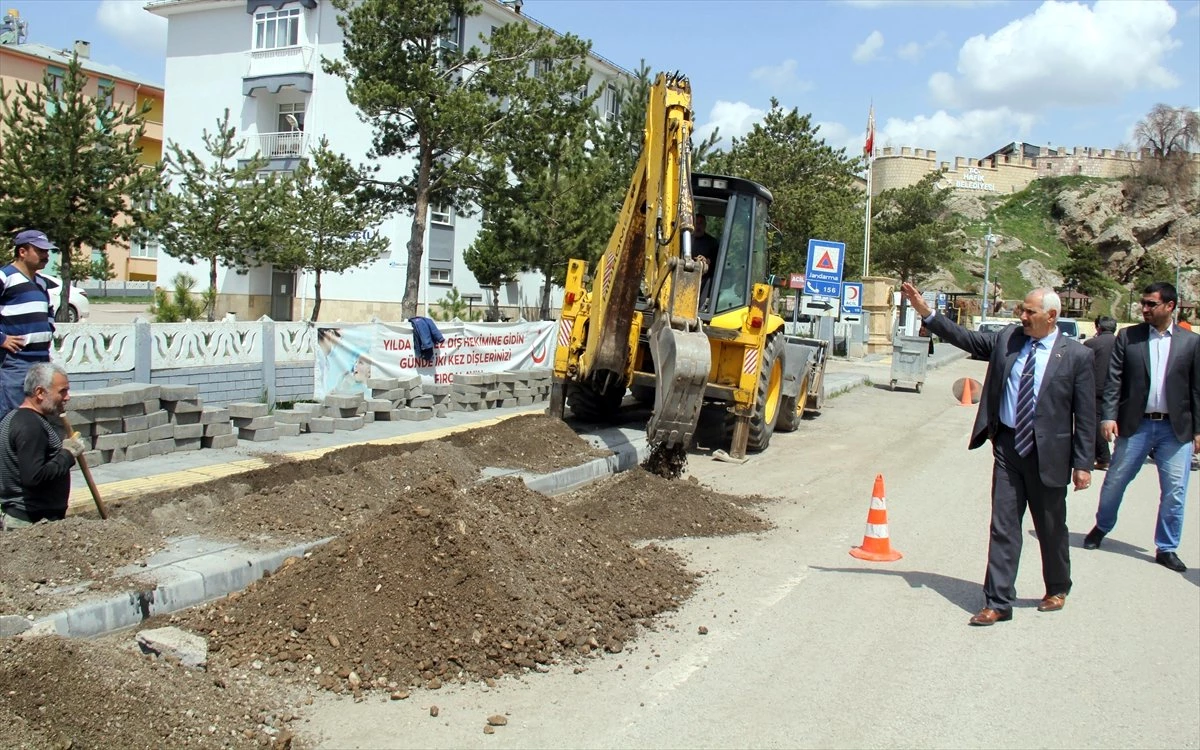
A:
<point x="670" y="326"/>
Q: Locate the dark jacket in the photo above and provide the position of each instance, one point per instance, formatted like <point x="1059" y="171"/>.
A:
<point x="1064" y="422"/>
<point x="35" y="472"/>
<point x="1101" y="345"/>
<point x="425" y="336"/>
<point x="1128" y="384"/>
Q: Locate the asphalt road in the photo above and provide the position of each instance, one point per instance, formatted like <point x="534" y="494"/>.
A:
<point x="809" y="647"/>
<point x="117" y="312"/>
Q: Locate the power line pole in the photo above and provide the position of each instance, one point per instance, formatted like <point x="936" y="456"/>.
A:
<point x="987" y="270"/>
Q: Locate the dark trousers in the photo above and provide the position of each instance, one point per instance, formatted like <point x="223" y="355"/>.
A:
<point x="1103" y="454"/>
<point x="1015" y="485"/>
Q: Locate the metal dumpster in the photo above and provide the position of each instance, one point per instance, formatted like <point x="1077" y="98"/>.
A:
<point x="910" y="360"/>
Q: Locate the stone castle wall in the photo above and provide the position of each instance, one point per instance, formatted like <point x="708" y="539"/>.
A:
<point x="1000" y="174"/>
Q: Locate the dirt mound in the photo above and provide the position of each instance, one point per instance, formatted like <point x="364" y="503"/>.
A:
<point x="43" y="565"/>
<point x="63" y="693"/>
<point x="453" y="583"/>
<point x="640" y="505"/>
<point x="533" y="442"/>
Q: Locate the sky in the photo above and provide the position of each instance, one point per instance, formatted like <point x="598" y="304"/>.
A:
<point x="963" y="77"/>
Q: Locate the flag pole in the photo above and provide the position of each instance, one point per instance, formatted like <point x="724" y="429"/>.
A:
<point x="870" y="154"/>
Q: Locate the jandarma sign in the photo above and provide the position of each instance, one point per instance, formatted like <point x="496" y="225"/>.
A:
<point x="974" y="181"/>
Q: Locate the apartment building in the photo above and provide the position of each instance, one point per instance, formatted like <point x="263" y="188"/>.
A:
<point x="25" y="62"/>
<point x="261" y="60"/>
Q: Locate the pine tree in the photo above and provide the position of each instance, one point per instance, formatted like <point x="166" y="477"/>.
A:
<point x="218" y="209"/>
<point x="1084" y="271"/>
<point x="69" y="166"/>
<point x="330" y="227"/>
<point x="911" y="229"/>
<point x="443" y="103"/>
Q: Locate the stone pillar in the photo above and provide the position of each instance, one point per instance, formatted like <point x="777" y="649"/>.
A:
<point x="877" y="299"/>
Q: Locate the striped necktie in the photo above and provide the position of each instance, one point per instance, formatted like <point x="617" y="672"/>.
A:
<point x="1026" y="404"/>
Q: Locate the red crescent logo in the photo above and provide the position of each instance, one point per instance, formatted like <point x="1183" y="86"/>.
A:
<point x="539" y="353"/>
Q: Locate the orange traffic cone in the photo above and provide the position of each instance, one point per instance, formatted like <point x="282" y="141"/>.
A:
<point x="966" y="390"/>
<point x="876" y="545"/>
<point x="966" y="394"/>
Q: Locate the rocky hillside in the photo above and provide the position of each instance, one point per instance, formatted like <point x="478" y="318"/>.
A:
<point x="1035" y="229"/>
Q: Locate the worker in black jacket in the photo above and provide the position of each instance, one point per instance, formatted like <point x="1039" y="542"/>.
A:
<point x="1102" y="346"/>
<point x="35" y="463"/>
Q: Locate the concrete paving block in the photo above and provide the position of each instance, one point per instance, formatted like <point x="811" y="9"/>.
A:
<point x="186" y="417"/>
<point x="258" y="436"/>
<point x="437" y="389"/>
<point x="152" y="405"/>
<point x="393" y="395"/>
<point x="114" y="456"/>
<point x="104" y="615"/>
<point x="93" y="458"/>
<point x="466" y="398"/>
<point x="10" y="625"/>
<point x="114" y="440"/>
<point x="132" y="424"/>
<point x="247" y="410"/>
<point x="522" y="390"/>
<point x="468" y="390"/>
<point x="378" y="404"/>
<point x="189" y="406"/>
<point x="137" y="437"/>
<point x="162" y="447"/>
<point x="348" y="423"/>
<point x="368" y="418"/>
<point x="104" y="399"/>
<point x="77" y="416"/>
<point x="221" y="428"/>
<point x="82" y="402"/>
<point x="190" y="649"/>
<point x="183" y="431"/>
<point x="107" y="427"/>
<point x="338" y="411"/>
<point x="254" y="423"/>
<point x="415" y="415"/>
<point x="133" y="410"/>
<point x="387" y="416"/>
<point x="309" y="407"/>
<point x="494" y="395"/>
<point x="321" y="424"/>
<point x="524" y="400"/>
<point x="229" y="440"/>
<point x="107" y="414"/>
<point x="290" y="416"/>
<point x="188" y="443"/>
<point x="506" y="378"/>
<point x="179" y="392"/>
<point x="441" y="410"/>
<point x="177" y="588"/>
<point x="344" y="400"/>
<point x="162" y="432"/>
<point x="415" y="392"/>
<point x="469" y="378"/>
<point x="288" y="429"/>
<point x="409" y="381"/>
<point x="138" y="452"/>
<point x="421" y="402"/>
<point x="383" y="384"/>
<point x="158" y="418"/>
<point x="214" y="415"/>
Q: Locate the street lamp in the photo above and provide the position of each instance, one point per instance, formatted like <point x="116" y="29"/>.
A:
<point x="988" y="239"/>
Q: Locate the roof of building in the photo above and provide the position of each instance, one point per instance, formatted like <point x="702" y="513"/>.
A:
<point x="63" y="57"/>
<point x="1028" y="150"/>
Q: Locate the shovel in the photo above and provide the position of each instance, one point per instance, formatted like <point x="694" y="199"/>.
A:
<point x="87" y="473"/>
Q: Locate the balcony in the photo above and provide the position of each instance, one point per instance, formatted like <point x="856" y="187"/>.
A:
<point x="272" y="69"/>
<point x="282" y="150"/>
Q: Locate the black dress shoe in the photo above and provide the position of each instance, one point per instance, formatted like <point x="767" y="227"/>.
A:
<point x="1170" y="560"/>
<point x="1093" y="538"/>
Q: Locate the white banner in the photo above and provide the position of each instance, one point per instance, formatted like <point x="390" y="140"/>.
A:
<point x="349" y="355"/>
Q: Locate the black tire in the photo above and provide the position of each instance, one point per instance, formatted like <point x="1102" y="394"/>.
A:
<point x="72" y="314"/>
<point x="590" y="405"/>
<point x="762" y="422"/>
<point x="791" y="408"/>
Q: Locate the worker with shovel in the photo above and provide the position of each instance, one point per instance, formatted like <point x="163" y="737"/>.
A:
<point x="35" y="463"/>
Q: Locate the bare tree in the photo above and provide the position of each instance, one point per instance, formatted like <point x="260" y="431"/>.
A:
<point x="1169" y="134"/>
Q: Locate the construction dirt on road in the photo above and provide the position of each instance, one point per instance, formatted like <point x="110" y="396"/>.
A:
<point x="433" y="577"/>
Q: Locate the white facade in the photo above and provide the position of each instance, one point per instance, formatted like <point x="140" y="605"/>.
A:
<point x="261" y="60"/>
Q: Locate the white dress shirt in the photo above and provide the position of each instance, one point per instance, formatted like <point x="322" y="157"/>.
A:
<point x="1160" y="352"/>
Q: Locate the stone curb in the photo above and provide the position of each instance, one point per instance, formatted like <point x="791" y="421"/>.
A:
<point x="194" y="570"/>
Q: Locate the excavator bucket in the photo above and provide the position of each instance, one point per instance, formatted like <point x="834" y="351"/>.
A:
<point x="681" y="365"/>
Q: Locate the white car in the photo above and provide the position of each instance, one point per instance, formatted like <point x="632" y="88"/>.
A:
<point x="78" y="305"/>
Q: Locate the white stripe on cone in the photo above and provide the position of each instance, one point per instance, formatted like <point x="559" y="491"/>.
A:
<point x="877" y="530"/>
<point x="878" y="503"/>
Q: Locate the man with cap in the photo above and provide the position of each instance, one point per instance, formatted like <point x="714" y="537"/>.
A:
<point x="26" y="315"/>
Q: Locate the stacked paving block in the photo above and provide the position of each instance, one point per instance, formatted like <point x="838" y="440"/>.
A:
<point x="182" y="404"/>
<point x="346" y="410"/>
<point x="219" y="431"/>
<point x="254" y="423"/>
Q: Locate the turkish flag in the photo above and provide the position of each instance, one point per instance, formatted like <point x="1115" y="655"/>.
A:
<point x="869" y="146"/>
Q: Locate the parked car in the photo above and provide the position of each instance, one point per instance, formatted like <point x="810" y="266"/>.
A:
<point x="78" y="306"/>
<point x="1070" y="327"/>
<point x="992" y="326"/>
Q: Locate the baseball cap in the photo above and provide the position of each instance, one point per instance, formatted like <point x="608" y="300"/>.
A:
<point x="36" y="238"/>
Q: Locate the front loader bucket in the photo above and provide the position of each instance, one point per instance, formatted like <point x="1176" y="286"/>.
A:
<point x="681" y="362"/>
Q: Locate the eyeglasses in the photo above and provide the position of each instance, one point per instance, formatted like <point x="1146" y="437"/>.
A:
<point x="1150" y="304"/>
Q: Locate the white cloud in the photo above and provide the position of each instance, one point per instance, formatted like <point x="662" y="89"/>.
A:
<point x="133" y="25"/>
<point x="914" y="51"/>
<point x="734" y="118"/>
<point x="781" y="78"/>
<point x="1031" y="64"/>
<point x="973" y="133"/>
<point x="869" y="49"/>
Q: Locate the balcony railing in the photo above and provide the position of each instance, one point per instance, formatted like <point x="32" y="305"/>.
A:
<point x="291" y="145"/>
<point x="280" y="61"/>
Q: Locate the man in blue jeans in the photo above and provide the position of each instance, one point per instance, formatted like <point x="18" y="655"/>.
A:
<point x="1151" y="404"/>
<point x="26" y="315"/>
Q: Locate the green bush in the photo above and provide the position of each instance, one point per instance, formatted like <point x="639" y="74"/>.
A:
<point x="181" y="305"/>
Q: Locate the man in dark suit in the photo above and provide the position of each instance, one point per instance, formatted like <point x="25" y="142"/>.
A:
<point x="1102" y="345"/>
<point x="1038" y="407"/>
<point x="1152" y="404"/>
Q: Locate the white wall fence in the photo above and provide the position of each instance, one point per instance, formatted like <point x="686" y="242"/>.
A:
<point x="229" y="361"/>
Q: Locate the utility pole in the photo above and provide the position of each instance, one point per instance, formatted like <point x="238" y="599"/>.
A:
<point x="987" y="271"/>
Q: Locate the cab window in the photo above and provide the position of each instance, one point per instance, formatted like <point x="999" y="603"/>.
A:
<point x="733" y="284"/>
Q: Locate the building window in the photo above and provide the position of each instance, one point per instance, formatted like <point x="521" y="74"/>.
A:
<point x="291" y="118"/>
<point x="581" y="93"/>
<point x="104" y="92"/>
<point x="612" y="104"/>
<point x="277" y="28"/>
<point x="143" y="246"/>
<point x="441" y="215"/>
<point x="542" y="67"/>
<point x="452" y="38"/>
<point x="439" y="276"/>
<point x="58" y="82"/>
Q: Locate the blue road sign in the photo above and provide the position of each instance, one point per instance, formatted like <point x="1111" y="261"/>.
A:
<point x="852" y="298"/>
<point x="941" y="301"/>
<point x="824" y="274"/>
